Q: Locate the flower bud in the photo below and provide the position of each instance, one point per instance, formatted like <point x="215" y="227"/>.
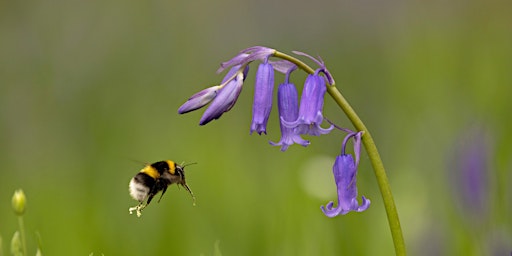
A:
<point x="19" y="202"/>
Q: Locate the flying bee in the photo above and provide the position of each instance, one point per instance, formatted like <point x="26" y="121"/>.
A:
<point x="154" y="178"/>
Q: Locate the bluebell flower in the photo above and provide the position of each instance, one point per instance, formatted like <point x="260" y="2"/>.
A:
<point x="205" y="96"/>
<point x="226" y="97"/>
<point x="345" y="172"/>
<point x="223" y="96"/>
<point x="263" y="90"/>
<point x="288" y="107"/>
<point x="311" y="106"/>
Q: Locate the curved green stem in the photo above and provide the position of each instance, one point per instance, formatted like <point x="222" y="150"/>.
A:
<point x="373" y="154"/>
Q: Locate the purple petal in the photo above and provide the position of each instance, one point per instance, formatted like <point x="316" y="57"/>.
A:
<point x="345" y="171"/>
<point x="283" y="66"/>
<point x="357" y="146"/>
<point x="287" y="104"/>
<point x="329" y="211"/>
<point x="311" y="106"/>
<point x="199" y="100"/>
<point x="225" y="100"/>
<point x="235" y="61"/>
<point x="246" y="56"/>
<point x="320" y="63"/>
<point x="364" y="204"/>
<point x="205" y="96"/>
<point x="231" y="74"/>
<point x="263" y="90"/>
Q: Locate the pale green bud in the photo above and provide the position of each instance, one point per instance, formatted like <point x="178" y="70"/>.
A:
<point x="19" y="202"/>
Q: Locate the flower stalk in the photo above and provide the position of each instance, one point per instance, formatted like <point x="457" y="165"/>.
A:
<point x="371" y="150"/>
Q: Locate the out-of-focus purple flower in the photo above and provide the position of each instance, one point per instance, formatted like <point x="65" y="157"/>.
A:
<point x="345" y="172"/>
<point x="263" y="90"/>
<point x="248" y="55"/>
<point x="288" y="106"/>
<point x="311" y="106"/>
<point x="470" y="173"/>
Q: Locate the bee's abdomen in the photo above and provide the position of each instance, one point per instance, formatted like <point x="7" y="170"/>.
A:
<point x="140" y="186"/>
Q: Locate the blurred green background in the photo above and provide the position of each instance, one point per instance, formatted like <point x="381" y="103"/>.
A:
<point x="89" y="90"/>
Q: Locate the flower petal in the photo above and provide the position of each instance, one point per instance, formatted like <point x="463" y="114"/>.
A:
<point x="311" y="106"/>
<point x="199" y="100"/>
<point x="225" y="100"/>
<point x="320" y="63"/>
<point x="247" y="56"/>
<point x="345" y="171"/>
<point x="287" y="104"/>
<point x="263" y="90"/>
<point x="283" y="66"/>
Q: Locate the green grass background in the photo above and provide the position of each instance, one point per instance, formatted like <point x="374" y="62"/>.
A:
<point x="89" y="90"/>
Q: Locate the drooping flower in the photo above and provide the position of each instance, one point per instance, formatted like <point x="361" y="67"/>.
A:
<point x="311" y="107"/>
<point x="263" y="90"/>
<point x="222" y="96"/>
<point x="226" y="96"/>
<point x="345" y="172"/>
<point x="288" y="107"/>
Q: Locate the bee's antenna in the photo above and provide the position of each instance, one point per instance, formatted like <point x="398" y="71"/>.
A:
<point x="184" y="165"/>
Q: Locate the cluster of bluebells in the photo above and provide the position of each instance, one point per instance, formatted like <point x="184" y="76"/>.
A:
<point x="295" y="119"/>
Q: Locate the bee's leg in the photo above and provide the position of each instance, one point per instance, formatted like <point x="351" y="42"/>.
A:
<point x="150" y="197"/>
<point x="138" y="208"/>
<point x="163" y="192"/>
<point x="131" y="209"/>
<point x="142" y="205"/>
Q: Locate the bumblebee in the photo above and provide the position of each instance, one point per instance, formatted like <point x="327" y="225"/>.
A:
<point x="154" y="178"/>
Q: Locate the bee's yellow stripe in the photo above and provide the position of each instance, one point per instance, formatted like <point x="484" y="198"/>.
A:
<point x="172" y="166"/>
<point x="149" y="170"/>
